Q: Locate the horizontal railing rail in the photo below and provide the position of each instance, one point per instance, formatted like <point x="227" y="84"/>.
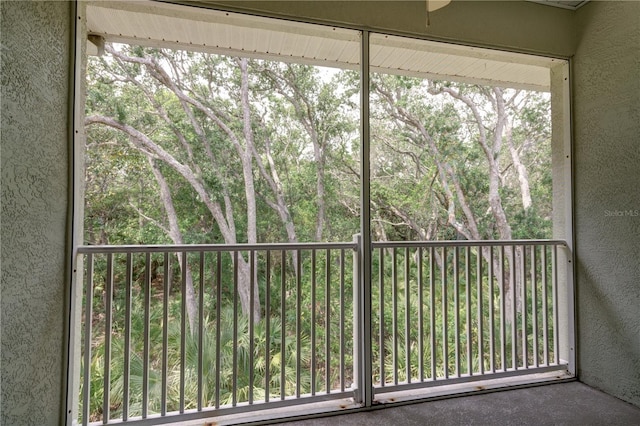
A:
<point x="190" y="248"/>
<point x="465" y="243"/>
<point x="180" y="332"/>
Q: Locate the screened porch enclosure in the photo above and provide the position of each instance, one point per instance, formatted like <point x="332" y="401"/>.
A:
<point x="413" y="281"/>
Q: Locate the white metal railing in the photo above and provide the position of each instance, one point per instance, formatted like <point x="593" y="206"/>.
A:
<point x="454" y="311"/>
<point x="146" y="357"/>
<point x="168" y="332"/>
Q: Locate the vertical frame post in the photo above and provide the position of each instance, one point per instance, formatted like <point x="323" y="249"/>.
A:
<point x="562" y="171"/>
<point x="364" y="394"/>
<point x="75" y="263"/>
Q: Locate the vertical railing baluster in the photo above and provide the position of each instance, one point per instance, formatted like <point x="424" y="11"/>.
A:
<point x="503" y="344"/>
<point x="407" y="316"/>
<point x="183" y="328"/>
<point x="445" y="318"/>
<point x="381" y="324"/>
<point x="432" y="312"/>
<point x="108" y="325"/>
<point x="127" y="339"/>
<point x="554" y="288"/>
<point x="545" y="307"/>
<point x="218" y="324"/>
<point x="534" y="304"/>
<point x="252" y="284"/>
<point x="267" y="327"/>
<point x="420" y="318"/>
<point x="147" y="335"/>
<point x="523" y="276"/>
<point x="88" y="337"/>
<point x="327" y="329"/>
<point x="200" y="328"/>
<point x="480" y="313"/>
<point x="394" y="308"/>
<point x="342" y="323"/>
<point x="467" y="277"/>
<point x="456" y="302"/>
<point x="234" y="385"/>
<point x="283" y="320"/>
<point x="313" y="321"/>
<point x="298" y="320"/>
<point x="492" y="342"/>
<point x="514" y="303"/>
<point x="166" y="279"/>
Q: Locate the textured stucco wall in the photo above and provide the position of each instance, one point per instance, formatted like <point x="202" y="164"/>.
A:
<point x="607" y="199"/>
<point x="35" y="81"/>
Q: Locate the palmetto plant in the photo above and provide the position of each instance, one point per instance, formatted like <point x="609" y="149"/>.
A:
<point x="199" y="362"/>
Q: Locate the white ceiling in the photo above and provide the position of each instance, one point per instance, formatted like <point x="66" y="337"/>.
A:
<point x="158" y="24"/>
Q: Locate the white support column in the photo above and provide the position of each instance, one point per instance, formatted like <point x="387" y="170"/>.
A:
<point x="77" y="144"/>
<point x="562" y="171"/>
<point x="365" y="388"/>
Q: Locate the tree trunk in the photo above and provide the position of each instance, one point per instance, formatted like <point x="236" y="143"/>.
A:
<point x="149" y="148"/>
<point x="304" y="108"/>
<point x="249" y="185"/>
<point x="521" y="170"/>
<point x="176" y="237"/>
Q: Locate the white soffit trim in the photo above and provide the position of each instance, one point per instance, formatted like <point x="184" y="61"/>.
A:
<point x="421" y="58"/>
<point x="180" y="27"/>
<point x="165" y="25"/>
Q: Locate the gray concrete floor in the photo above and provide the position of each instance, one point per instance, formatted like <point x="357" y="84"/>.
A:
<point x="570" y="403"/>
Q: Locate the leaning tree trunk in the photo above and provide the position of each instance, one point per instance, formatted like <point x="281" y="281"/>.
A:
<point x="148" y="147"/>
<point x="176" y="237"/>
<point x="288" y="87"/>
<point x="492" y="155"/>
